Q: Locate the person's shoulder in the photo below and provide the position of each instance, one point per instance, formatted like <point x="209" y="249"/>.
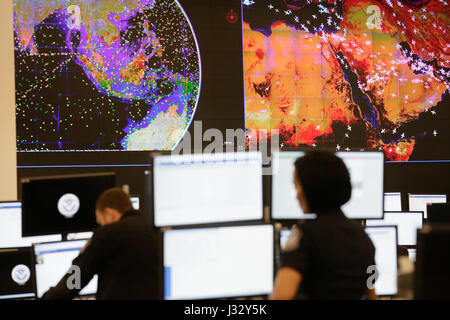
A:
<point x="356" y="224"/>
<point x="134" y="216"/>
<point x="313" y="224"/>
<point x="330" y="220"/>
<point x="361" y="234"/>
<point x="101" y="232"/>
<point x="308" y="227"/>
<point x="130" y="220"/>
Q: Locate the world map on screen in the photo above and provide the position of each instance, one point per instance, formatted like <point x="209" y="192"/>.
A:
<point x="354" y="74"/>
<point x="126" y="75"/>
<point x="104" y="74"/>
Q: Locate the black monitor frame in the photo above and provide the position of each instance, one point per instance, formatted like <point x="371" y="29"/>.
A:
<point x="32" y="271"/>
<point x="419" y="281"/>
<point x="400" y="212"/>
<point x="33" y="253"/>
<point x="274" y="265"/>
<point x="290" y="222"/>
<point x="150" y="202"/>
<point x="43" y="178"/>
<point x="426" y="194"/>
<point x="384" y="194"/>
<point x="396" y="257"/>
<point x="438" y="219"/>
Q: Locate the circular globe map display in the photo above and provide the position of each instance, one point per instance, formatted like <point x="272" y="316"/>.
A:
<point x="102" y="75"/>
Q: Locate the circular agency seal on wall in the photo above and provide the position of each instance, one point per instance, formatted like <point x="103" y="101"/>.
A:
<point x="20" y="274"/>
<point x="68" y="205"/>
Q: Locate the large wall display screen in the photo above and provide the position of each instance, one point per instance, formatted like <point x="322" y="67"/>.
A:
<point x="98" y="75"/>
<point x="137" y="74"/>
<point x="350" y="74"/>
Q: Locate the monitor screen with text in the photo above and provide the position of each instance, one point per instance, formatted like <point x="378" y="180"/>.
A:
<point x="53" y="261"/>
<point x="384" y="238"/>
<point x="218" y="262"/>
<point x="418" y="202"/>
<point x="407" y="225"/>
<point x="11" y="228"/>
<point x="392" y="201"/>
<point x="366" y="173"/>
<point x="207" y="188"/>
<point x="285" y="205"/>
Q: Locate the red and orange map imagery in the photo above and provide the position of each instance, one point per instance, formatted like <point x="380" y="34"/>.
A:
<point x="362" y="74"/>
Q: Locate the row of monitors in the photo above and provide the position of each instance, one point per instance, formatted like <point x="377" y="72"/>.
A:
<point x="198" y="263"/>
<point x="11" y="232"/>
<point x="11" y="227"/>
<point x="199" y="189"/>
<point x="417" y="202"/>
<point x="214" y="188"/>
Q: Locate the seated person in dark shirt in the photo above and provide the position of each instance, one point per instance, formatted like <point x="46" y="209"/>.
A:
<point x="124" y="253"/>
<point x="329" y="257"/>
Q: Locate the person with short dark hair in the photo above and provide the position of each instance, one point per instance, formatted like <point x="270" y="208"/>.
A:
<point x="123" y="252"/>
<point x="329" y="257"/>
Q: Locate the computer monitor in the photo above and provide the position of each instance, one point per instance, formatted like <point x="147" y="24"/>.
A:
<point x="220" y="262"/>
<point x="367" y="177"/>
<point x="16" y="273"/>
<point x="53" y="260"/>
<point x="407" y="225"/>
<point x="384" y="238"/>
<point x="52" y="205"/>
<point x="438" y="212"/>
<point x="11" y="228"/>
<point x="432" y="280"/>
<point x="197" y="189"/>
<point x="135" y="201"/>
<point x="366" y="172"/>
<point x="285" y="205"/>
<point x="392" y="201"/>
<point x="418" y="202"/>
<point x="284" y="236"/>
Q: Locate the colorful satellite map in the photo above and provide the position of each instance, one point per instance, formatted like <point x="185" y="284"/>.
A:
<point x="104" y="74"/>
<point x="364" y="74"/>
<point x="126" y="75"/>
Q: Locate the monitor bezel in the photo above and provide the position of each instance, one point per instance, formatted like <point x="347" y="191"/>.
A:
<point x="396" y="257"/>
<point x="436" y="204"/>
<point x="426" y="194"/>
<point x="404" y="212"/>
<point x="33" y="253"/>
<point x="32" y="271"/>
<point x="286" y="221"/>
<point x="425" y="232"/>
<point x="41" y="235"/>
<point x="57" y="177"/>
<point x="151" y="205"/>
<point x="274" y="267"/>
<point x="393" y="192"/>
<point x="17" y="201"/>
